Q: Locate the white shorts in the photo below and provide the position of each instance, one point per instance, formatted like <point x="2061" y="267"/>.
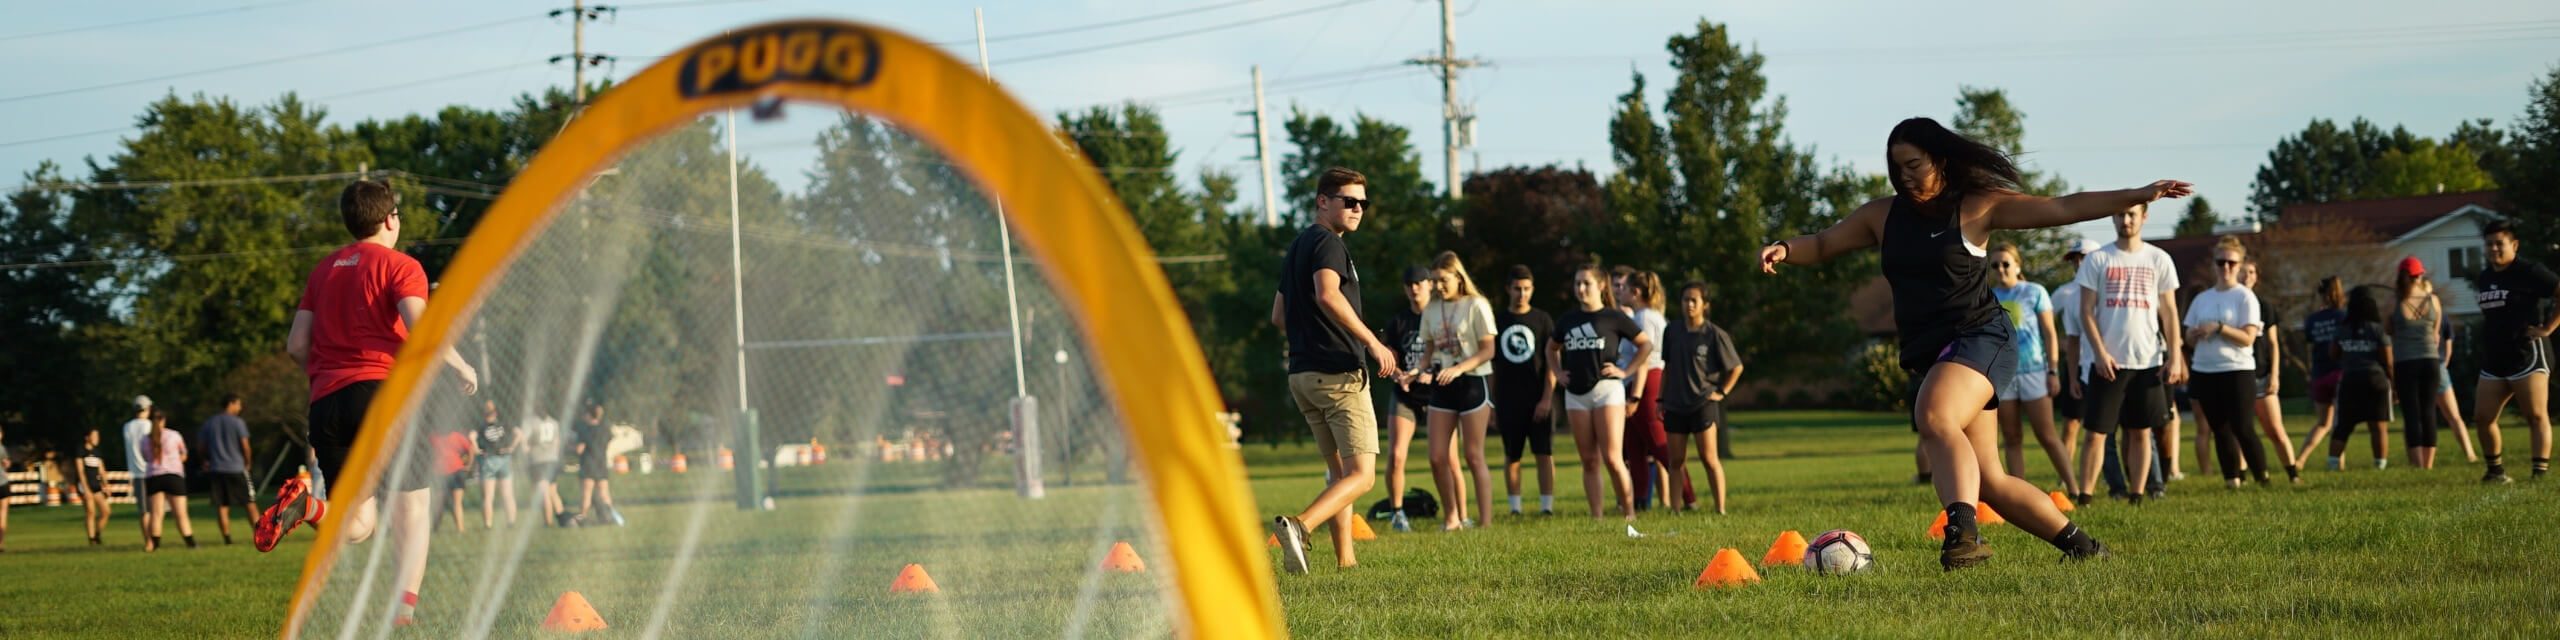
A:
<point x="2027" y="387"/>
<point x="1609" y="393"/>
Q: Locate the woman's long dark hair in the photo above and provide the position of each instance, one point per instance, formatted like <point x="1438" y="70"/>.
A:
<point x="1964" y="166"/>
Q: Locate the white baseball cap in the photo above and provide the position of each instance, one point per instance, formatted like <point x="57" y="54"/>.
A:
<point x="142" y="402"/>
<point x="2082" y="247"/>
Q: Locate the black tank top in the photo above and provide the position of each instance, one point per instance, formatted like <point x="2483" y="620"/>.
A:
<point x="1941" y="286"/>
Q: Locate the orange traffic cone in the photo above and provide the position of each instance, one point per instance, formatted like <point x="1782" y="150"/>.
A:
<point x="913" y="580"/>
<point x="2063" y="502"/>
<point x="676" y="463"/>
<point x="1984" y="514"/>
<point x="1788" y="550"/>
<point x="1938" y="527"/>
<point x="572" y="614"/>
<point x="1124" y="559"/>
<point x="1360" y="529"/>
<point x="621" y="464"/>
<point x="1727" y="570"/>
<point x="727" y="460"/>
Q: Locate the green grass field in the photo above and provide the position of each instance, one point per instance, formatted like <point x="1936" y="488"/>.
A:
<point x="2393" y="553"/>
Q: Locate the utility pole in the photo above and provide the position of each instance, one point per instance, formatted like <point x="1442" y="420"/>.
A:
<point x="579" y="13"/>
<point x="1262" y="150"/>
<point x="1457" y="126"/>
<point x="1026" y="408"/>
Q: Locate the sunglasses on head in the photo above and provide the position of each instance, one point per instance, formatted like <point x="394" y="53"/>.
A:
<point x="1349" y="202"/>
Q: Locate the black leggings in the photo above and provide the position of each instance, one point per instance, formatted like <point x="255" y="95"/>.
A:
<point x="2225" y="398"/>
<point x="2416" y="386"/>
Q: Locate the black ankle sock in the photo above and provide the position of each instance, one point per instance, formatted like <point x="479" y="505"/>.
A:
<point x="191" y="541"/>
<point x="1960" y="518"/>
<point x="2071" y="538"/>
<point x="2541" y="465"/>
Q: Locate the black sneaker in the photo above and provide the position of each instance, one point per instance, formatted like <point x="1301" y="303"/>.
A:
<point x="2095" y="549"/>
<point x="1962" y="551"/>
<point x="2134" y="499"/>
<point x="1293" y="543"/>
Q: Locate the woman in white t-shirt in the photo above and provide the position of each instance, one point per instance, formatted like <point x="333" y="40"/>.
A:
<point x="542" y="446"/>
<point x="2223" y="323"/>
<point x="1458" y="331"/>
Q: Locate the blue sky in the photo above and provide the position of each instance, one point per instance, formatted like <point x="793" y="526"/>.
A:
<point x="2116" y="93"/>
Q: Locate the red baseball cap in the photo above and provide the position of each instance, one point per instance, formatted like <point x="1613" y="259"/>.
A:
<point x="2410" y="266"/>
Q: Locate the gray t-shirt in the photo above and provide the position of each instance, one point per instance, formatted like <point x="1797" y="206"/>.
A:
<point x="1695" y="362"/>
<point x="221" y="435"/>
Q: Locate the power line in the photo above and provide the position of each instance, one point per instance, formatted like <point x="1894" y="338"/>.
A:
<point x="66" y="136"/>
<point x="2275" y="42"/>
<point x="143" y="21"/>
<point x="1097" y="25"/>
<point x="1178" y="34"/>
<point x="428" y="81"/>
<point x="270" y="61"/>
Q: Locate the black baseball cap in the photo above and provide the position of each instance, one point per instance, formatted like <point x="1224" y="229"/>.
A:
<point x="1413" y="274"/>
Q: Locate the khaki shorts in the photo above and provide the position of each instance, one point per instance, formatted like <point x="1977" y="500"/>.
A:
<point x="1337" y="409"/>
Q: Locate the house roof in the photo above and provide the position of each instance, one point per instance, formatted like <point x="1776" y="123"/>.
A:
<point x="2390" y="217"/>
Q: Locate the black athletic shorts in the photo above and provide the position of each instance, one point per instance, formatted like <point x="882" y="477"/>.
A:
<point x="230" y="489"/>
<point x="2363" y="396"/>
<point x="168" y="483"/>
<point x="595" y="466"/>
<point x="1517" y="417"/>
<point x="1465" y="395"/>
<point x="2514" y="361"/>
<point x="1694" y="421"/>
<point x="1985" y="349"/>
<point x="1415" y="397"/>
<point x="2136" y="399"/>
<point x="336" y="417"/>
<point x="2065" y="406"/>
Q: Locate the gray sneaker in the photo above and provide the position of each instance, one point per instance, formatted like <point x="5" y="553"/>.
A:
<point x="1401" y="525"/>
<point x="1293" y="543"/>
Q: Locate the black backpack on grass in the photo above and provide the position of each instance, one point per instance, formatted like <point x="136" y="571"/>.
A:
<point x="1417" y="504"/>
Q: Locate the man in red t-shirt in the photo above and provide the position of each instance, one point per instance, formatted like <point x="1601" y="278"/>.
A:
<point x="355" y="313"/>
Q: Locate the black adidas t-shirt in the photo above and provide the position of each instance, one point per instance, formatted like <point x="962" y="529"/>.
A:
<point x="1404" y="334"/>
<point x="1590" y="339"/>
<point x="1316" y="343"/>
<point x="1520" y="354"/>
<point x="2511" y="303"/>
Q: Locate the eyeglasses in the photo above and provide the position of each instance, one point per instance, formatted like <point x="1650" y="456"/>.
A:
<point x="2227" y="263"/>
<point x="1349" y="202"/>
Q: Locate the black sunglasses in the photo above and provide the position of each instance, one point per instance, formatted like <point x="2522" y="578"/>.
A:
<point x="1349" y="202"/>
<point x="2227" y="263"/>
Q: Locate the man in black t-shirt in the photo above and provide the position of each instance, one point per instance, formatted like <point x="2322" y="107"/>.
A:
<point x="2515" y="362"/>
<point x="1523" y="389"/>
<point x="1318" y="306"/>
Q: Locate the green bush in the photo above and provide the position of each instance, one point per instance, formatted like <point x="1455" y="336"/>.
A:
<point x="1880" y="369"/>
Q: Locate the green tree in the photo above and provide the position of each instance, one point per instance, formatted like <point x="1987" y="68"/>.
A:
<point x="1986" y="115"/>
<point x="45" y="386"/>
<point x="1540" y="210"/>
<point x="2200" y="218"/>
<point x="2323" y="163"/>
<point x="2488" y="144"/>
<point x="2533" y="179"/>
<point x="1722" y="179"/>
<point x="2426" y="167"/>
<point x="213" y="272"/>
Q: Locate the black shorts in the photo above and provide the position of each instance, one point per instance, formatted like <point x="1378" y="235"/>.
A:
<point x="2363" y="396"/>
<point x="1465" y="395"/>
<point x="1985" y="349"/>
<point x="1692" y="422"/>
<point x="2514" y="362"/>
<point x="230" y="489"/>
<point x="335" y="419"/>
<point x="1415" y="397"/>
<point x="166" y="483"/>
<point x="97" y="480"/>
<point x="2063" y="404"/>
<point x="2136" y="399"/>
<point x="595" y="468"/>
<point x="1517" y="417"/>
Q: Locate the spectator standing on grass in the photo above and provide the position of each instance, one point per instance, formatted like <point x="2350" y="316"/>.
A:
<point x="2414" y="321"/>
<point x="2320" y="334"/>
<point x="2364" y="389"/>
<point x="137" y="432"/>
<point x="91" y="479"/>
<point x="2268" y="351"/>
<point x="543" y="445"/>
<point x="1412" y="393"/>
<point x="1523" y="390"/>
<point x="2513" y="349"/>
<point x="595" y="469"/>
<point x="226" y="463"/>
<point x="497" y="443"/>
<point x="1700" y="367"/>
<point x="165" y="486"/>
<point x="1459" y="331"/>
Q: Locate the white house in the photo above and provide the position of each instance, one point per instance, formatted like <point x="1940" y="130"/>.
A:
<point x="2441" y="230"/>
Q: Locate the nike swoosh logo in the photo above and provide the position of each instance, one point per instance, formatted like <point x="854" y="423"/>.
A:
<point x="1940" y="232"/>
